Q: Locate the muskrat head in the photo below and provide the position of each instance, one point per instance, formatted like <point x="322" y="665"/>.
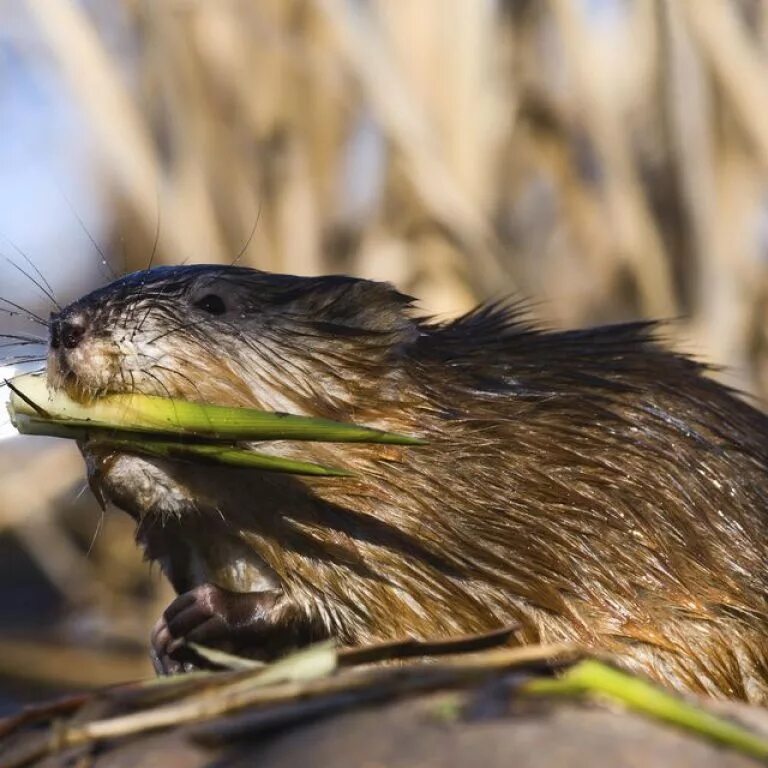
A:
<point x="232" y="336"/>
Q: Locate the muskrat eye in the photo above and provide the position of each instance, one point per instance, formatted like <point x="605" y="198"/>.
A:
<point x="212" y="304"/>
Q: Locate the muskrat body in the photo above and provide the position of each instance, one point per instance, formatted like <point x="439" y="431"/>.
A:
<point x="588" y="485"/>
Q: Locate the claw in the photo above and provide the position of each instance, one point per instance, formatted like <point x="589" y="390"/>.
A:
<point x="209" y="615"/>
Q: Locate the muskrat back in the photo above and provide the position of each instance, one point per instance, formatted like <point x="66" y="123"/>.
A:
<point x="590" y="485"/>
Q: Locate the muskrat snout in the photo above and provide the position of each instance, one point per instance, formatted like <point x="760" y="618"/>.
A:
<point x="79" y="360"/>
<point x="66" y="331"/>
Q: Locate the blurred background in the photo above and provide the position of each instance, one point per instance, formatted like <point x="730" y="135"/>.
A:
<point x="604" y="158"/>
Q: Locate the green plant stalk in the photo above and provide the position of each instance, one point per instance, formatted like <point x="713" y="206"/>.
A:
<point x="211" y="453"/>
<point x="220" y="454"/>
<point x="591" y="677"/>
<point x="171" y="418"/>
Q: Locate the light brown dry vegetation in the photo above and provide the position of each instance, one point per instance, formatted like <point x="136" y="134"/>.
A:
<point x="462" y="149"/>
<point x="609" y="166"/>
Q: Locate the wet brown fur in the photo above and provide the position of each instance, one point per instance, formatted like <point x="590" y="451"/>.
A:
<point x="588" y="484"/>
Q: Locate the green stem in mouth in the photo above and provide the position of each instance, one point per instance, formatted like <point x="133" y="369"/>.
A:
<point x="173" y="418"/>
<point x="195" y="451"/>
<point x="221" y="454"/>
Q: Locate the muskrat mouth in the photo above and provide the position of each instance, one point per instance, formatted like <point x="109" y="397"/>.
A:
<point x="84" y="374"/>
<point x="67" y="383"/>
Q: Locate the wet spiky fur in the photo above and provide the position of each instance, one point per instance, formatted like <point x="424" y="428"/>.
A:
<point x="588" y="484"/>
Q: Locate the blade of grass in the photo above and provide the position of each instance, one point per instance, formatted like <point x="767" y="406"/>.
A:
<point x="591" y="677"/>
<point x="226" y="660"/>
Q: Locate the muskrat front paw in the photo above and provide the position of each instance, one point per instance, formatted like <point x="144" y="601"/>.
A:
<point x="208" y="615"/>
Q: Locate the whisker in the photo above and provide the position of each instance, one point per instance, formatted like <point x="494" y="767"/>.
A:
<point x="157" y="235"/>
<point x="98" y="525"/>
<point x="90" y="237"/>
<point x="242" y="252"/>
<point x="152" y="255"/>
<point x="163" y="387"/>
<point x="181" y="327"/>
<point x="14" y="344"/>
<point x="26" y="312"/>
<point x="13" y="313"/>
<point x="180" y="375"/>
<point x="32" y="264"/>
<point x="247" y="244"/>
<point x="143" y="282"/>
<point x="37" y="271"/>
<point x="7" y="382"/>
<point x="160" y="382"/>
<point x="123" y="254"/>
<point x="23" y="360"/>
<point x="24" y="337"/>
<point x="45" y="291"/>
<point x="83" y="488"/>
<point x="135" y="307"/>
<point x="151" y="306"/>
<point x="42" y="353"/>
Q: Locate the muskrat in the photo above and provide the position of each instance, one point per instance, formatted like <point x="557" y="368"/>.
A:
<point x="588" y="485"/>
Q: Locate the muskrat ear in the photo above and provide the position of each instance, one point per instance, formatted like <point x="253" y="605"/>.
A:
<point x="347" y="305"/>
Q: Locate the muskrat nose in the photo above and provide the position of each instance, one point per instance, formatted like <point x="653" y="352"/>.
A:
<point x="66" y="332"/>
